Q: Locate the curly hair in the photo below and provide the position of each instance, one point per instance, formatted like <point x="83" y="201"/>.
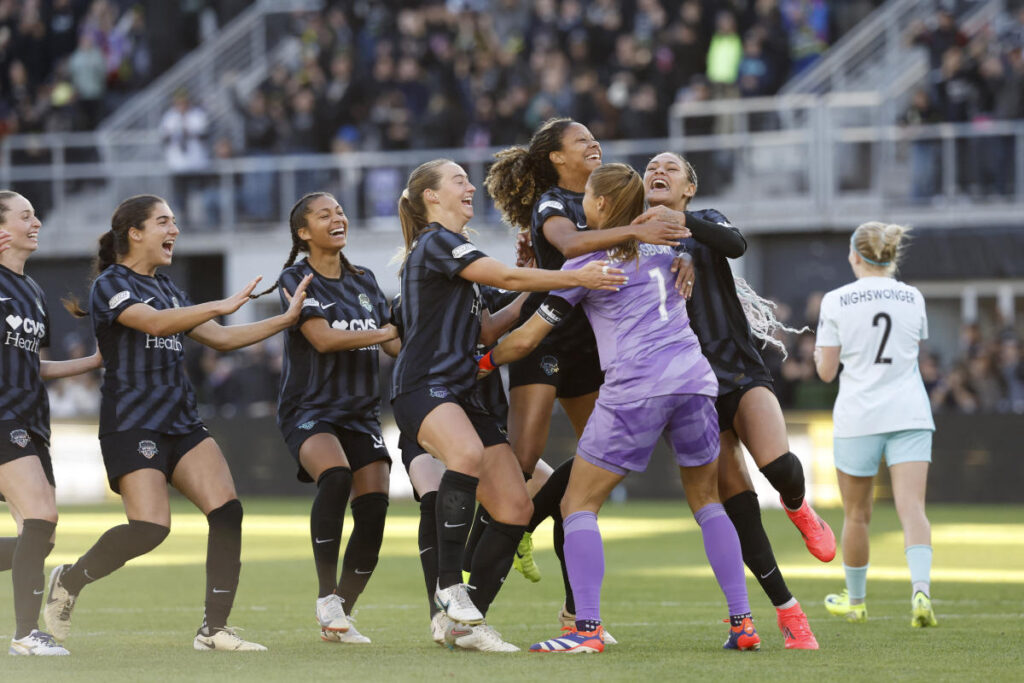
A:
<point x="521" y="175"/>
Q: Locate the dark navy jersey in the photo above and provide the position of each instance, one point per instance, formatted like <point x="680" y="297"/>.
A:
<point x="717" y="316"/>
<point x="490" y="389"/>
<point x="144" y="383"/>
<point x="26" y="328"/>
<point x="440" y="315"/>
<point x="343" y="387"/>
<point x="574" y="331"/>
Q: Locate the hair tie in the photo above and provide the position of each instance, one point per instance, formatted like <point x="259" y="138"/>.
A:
<point x="405" y="193"/>
<point x="853" y="244"/>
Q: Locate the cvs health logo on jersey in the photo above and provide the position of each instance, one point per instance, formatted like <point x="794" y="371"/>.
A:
<point x="23" y="333"/>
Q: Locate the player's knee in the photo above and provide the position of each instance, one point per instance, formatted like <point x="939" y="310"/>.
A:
<point x="370" y="511"/>
<point x="227" y="516"/>
<point x="145" y="536"/>
<point x="465" y="458"/>
<point x="335" y="480"/>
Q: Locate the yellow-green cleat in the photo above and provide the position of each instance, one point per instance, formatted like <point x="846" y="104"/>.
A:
<point x="923" y="615"/>
<point x="523" y="561"/>
<point x="838" y="604"/>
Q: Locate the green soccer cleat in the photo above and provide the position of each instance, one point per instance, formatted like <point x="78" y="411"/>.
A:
<point x="523" y="560"/>
<point x="839" y="605"/>
<point x="922" y="615"/>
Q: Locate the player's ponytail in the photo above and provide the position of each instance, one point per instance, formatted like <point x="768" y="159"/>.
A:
<point x="114" y="243"/>
<point x="760" y="314"/>
<point x="881" y="245"/>
<point x="623" y="189"/>
<point x="521" y="175"/>
<point x="412" y="210"/>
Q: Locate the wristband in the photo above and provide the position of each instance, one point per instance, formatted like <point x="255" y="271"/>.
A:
<point x="486" y="361"/>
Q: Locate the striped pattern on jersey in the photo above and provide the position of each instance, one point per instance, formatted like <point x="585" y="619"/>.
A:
<point x="717" y="316"/>
<point x="491" y="390"/>
<point x="26" y="329"/>
<point x="440" y="315"/>
<point x="574" y="332"/>
<point x="144" y="383"/>
<point x="342" y="388"/>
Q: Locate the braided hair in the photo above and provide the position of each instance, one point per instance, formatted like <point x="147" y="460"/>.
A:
<point x="521" y="175"/>
<point x="297" y="220"/>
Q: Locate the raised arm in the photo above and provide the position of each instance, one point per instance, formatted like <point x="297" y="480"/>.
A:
<point x="725" y="239"/>
<point x="163" y="323"/>
<point x="594" y="275"/>
<point x="564" y="236"/>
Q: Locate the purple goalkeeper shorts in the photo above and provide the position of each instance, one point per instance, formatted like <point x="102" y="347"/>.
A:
<point x="620" y="438"/>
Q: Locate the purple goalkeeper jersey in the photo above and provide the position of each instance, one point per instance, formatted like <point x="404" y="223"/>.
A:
<point x="644" y="338"/>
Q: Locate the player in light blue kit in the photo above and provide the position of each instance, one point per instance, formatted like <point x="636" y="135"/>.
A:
<point x="657" y="383"/>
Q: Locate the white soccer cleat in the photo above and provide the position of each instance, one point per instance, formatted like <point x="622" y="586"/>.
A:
<point x="481" y="637"/>
<point x="456" y="603"/>
<point x="330" y="612"/>
<point x="224" y="639"/>
<point x="36" y="643"/>
<point x="58" y="606"/>
<point x="349" y="636"/>
<point x="438" y="624"/>
<point x="568" y="620"/>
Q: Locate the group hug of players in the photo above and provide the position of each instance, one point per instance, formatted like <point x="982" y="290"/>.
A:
<point x="638" y="328"/>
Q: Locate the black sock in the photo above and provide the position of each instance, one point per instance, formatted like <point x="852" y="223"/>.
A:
<point x="428" y="544"/>
<point x="456" y="497"/>
<point x="368" y="514"/>
<point x="479" y="526"/>
<point x="492" y="560"/>
<point x="27" y="573"/>
<point x="549" y="497"/>
<point x="223" y="562"/>
<point x="115" y="547"/>
<point x="7" y="546"/>
<point x="326" y="519"/>
<point x="787" y="476"/>
<point x="745" y="514"/>
<point x="558" y="537"/>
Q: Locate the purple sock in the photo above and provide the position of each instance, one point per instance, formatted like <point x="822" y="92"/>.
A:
<point x="584" y="557"/>
<point x="722" y="546"/>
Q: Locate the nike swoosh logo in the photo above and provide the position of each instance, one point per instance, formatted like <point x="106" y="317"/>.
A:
<point x="362" y="572"/>
<point x="5" y="298"/>
<point x="326" y="306"/>
<point x="581" y="227"/>
<point x="426" y="549"/>
<point x="86" y="572"/>
<point x="206" y="644"/>
<point x="770" y="572"/>
<point x="37" y="592"/>
<point x="149" y="299"/>
<point x="453" y="526"/>
<point x="218" y="590"/>
<point x="322" y="540"/>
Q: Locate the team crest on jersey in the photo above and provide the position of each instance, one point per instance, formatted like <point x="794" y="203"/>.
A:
<point x="147" y="449"/>
<point x="462" y="250"/>
<point x="549" y="364"/>
<point x="19" y="437"/>
<point x="364" y="301"/>
<point x="307" y="425"/>
<point x="118" y="299"/>
<point x="438" y="392"/>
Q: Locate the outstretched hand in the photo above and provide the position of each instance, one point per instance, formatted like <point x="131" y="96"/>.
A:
<point x="239" y="299"/>
<point x="656" y="231"/>
<point x="599" y="275"/>
<point x="296" y="299"/>
<point x="524" y="250"/>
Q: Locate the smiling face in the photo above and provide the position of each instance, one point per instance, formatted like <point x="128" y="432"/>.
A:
<point x="326" y="225"/>
<point x="580" y="153"/>
<point x="667" y="182"/>
<point x="21" y="222"/>
<point x="451" y="204"/>
<point x="152" y="243"/>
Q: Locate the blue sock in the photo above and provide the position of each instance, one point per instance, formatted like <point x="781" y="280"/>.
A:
<point x="857" y="582"/>
<point x="919" y="559"/>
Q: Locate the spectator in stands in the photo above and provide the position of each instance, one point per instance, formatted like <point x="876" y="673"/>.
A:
<point x="806" y="22"/>
<point x="925" y="153"/>
<point x="88" y="71"/>
<point x="938" y="37"/>
<point x="184" y="130"/>
<point x="724" y="56"/>
<point x="1010" y="368"/>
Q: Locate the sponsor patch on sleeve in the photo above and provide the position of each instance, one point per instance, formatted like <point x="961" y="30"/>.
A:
<point x="462" y="250"/>
<point x="119" y="299"/>
<point x="310" y="301"/>
<point x="550" y="204"/>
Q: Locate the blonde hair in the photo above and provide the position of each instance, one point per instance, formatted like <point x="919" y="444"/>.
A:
<point x="880" y="244"/>
<point x="760" y="315"/>
<point x="412" y="210"/>
<point x="624" y="189"/>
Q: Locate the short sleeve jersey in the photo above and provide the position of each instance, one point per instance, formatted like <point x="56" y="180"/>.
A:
<point x="644" y="339"/>
<point x="878" y="322"/>
<point x="144" y="383"/>
<point x="440" y="314"/>
<point x="574" y="332"/>
<point x="717" y="317"/>
<point x="343" y="387"/>
<point x="26" y="329"/>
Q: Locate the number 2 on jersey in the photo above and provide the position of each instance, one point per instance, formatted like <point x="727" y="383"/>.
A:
<point x="655" y="274"/>
<point x="884" y="317"/>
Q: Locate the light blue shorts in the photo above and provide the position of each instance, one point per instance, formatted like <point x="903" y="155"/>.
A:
<point x="860" y="456"/>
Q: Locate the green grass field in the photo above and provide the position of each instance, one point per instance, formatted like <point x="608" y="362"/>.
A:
<point x="660" y="601"/>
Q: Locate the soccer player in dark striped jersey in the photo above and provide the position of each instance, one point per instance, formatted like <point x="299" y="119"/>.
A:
<point x="721" y="309"/>
<point x="150" y="432"/>
<point x="329" y="405"/>
<point x="539" y="189"/>
<point x="26" y="471"/>
<point x="436" y="372"/>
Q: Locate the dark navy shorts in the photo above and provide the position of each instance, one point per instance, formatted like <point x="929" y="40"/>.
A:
<point x="139" y="449"/>
<point x="412" y="407"/>
<point x="573" y="373"/>
<point x="728" y="404"/>
<point x="360" y="448"/>
<point x="17" y="441"/>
